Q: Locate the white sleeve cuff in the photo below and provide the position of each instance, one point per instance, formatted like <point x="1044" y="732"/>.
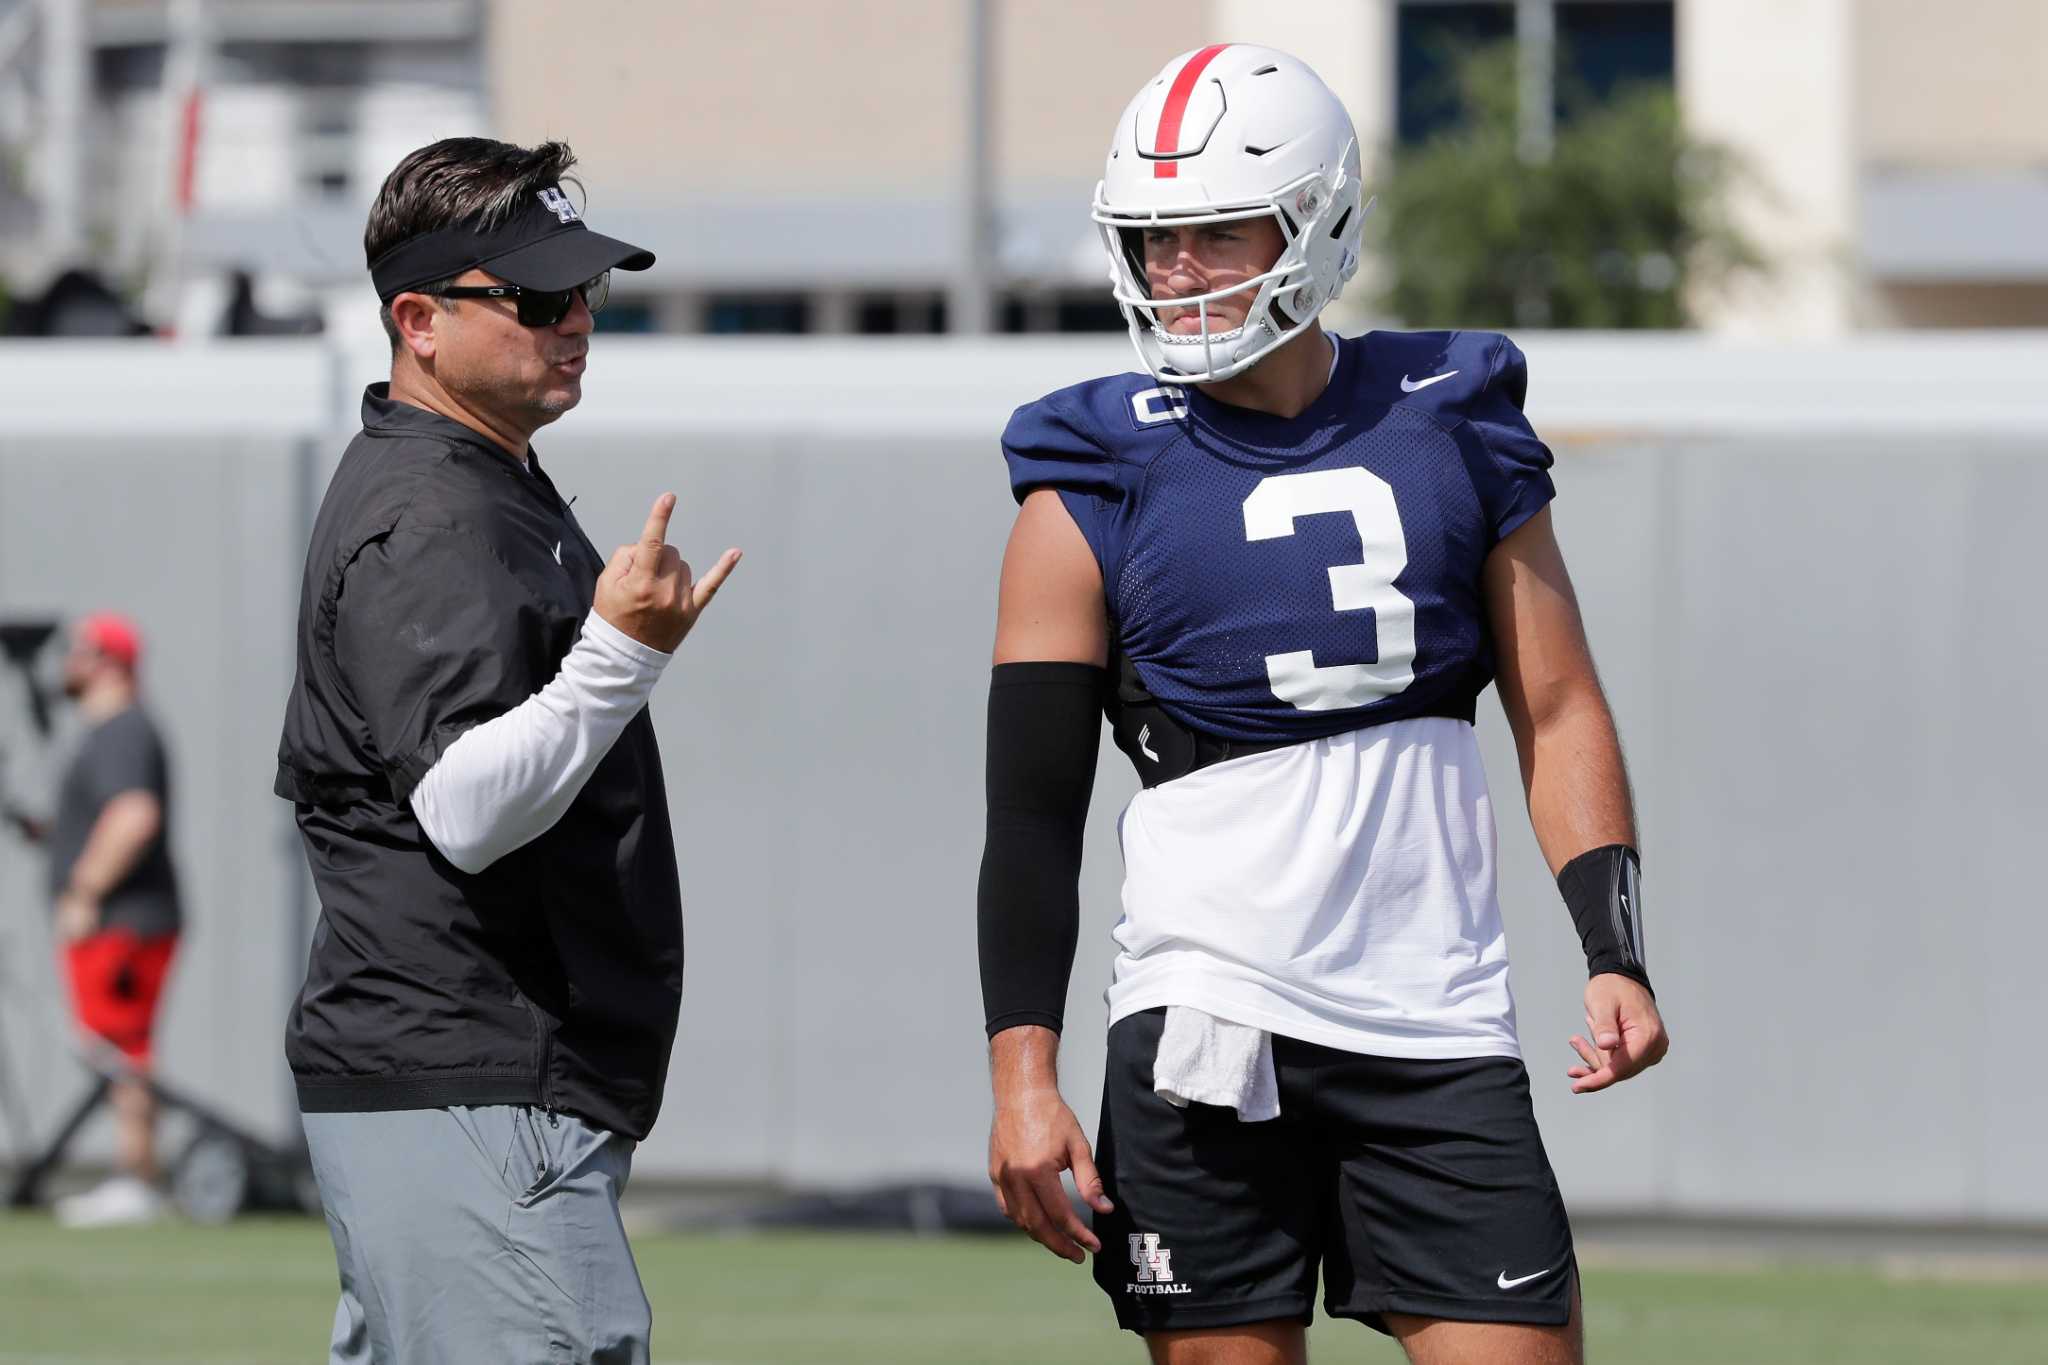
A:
<point x="506" y="782"/>
<point x="603" y="632"/>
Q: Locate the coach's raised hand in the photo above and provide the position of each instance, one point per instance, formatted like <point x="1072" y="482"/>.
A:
<point x="647" y="591"/>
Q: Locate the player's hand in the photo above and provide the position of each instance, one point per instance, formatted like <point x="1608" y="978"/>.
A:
<point x="78" y="917"/>
<point x="646" y="590"/>
<point x="1035" y="1137"/>
<point x="1624" y="1034"/>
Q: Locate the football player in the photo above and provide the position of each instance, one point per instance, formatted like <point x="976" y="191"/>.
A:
<point x="1287" y="563"/>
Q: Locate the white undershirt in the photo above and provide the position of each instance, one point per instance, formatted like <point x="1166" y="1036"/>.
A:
<point x="1339" y="891"/>
<point x="506" y="782"/>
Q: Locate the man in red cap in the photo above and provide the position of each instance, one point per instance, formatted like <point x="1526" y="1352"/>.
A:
<point x="116" y="896"/>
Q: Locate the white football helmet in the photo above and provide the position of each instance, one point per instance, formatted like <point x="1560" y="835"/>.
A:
<point x="1221" y="133"/>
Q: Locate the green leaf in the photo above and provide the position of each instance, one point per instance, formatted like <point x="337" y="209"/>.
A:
<point x="1625" y="225"/>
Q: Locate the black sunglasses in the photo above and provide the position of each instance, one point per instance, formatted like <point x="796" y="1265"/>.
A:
<point x="537" y="307"/>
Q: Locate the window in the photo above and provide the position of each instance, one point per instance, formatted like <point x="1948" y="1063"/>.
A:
<point x="892" y="314"/>
<point x="738" y="314"/>
<point x="1059" y="310"/>
<point x="626" y="315"/>
<point x="1428" y="41"/>
<point x="1601" y="46"/>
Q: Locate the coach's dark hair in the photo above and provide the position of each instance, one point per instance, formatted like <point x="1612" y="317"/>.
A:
<point x="473" y="180"/>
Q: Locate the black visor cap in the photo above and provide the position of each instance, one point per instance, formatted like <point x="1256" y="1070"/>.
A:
<point x="565" y="259"/>
<point x="545" y="248"/>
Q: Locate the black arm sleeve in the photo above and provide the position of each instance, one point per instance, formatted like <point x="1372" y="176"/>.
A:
<point x="1044" y="728"/>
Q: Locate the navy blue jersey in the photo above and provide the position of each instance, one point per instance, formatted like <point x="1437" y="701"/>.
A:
<point x="1286" y="579"/>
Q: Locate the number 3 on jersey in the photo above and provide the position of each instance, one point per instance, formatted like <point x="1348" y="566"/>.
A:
<point x="1270" y="512"/>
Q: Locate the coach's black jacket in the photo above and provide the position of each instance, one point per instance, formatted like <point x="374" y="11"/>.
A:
<point x="443" y="587"/>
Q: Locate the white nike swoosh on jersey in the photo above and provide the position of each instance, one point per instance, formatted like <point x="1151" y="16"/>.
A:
<point x="1505" y="1283"/>
<point x="1411" y="385"/>
<point x="558" y="552"/>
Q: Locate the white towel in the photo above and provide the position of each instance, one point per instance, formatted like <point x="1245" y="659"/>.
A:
<point x="1206" y="1060"/>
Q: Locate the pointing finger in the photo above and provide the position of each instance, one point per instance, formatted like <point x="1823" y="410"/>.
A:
<point x="707" y="587"/>
<point x="656" y="534"/>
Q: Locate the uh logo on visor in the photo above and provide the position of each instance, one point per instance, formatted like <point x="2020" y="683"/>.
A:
<point x="557" y="203"/>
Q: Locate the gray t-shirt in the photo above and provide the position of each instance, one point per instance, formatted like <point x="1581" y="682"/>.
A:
<point x="122" y="753"/>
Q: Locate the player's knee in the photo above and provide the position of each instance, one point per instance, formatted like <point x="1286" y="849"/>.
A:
<point x="1259" y="1343"/>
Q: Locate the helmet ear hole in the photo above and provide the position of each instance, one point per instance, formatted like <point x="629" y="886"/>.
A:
<point x="1294" y="303"/>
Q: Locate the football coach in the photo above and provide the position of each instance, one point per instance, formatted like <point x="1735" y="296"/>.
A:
<point x="492" y="990"/>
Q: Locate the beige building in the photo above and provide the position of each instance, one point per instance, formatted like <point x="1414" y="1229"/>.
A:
<point x="805" y="165"/>
<point x="1900" y="152"/>
<point x="1897" y="151"/>
<point x="815" y="164"/>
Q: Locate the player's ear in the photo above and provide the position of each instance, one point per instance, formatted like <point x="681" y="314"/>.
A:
<point x="415" y="317"/>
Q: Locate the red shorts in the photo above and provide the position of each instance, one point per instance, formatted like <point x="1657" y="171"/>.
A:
<point x="116" y="980"/>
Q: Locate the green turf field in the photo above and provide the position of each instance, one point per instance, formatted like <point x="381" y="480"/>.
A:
<point x="264" y="1292"/>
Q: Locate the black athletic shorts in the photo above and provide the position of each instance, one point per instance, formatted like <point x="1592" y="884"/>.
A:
<point x="1413" y="1186"/>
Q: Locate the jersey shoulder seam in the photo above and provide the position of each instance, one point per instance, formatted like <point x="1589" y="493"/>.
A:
<point x="1097" y="436"/>
<point x="1449" y="428"/>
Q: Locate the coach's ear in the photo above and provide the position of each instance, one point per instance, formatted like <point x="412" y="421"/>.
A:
<point x="414" y="315"/>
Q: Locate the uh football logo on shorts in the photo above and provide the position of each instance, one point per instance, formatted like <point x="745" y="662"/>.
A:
<point x="1155" y="1266"/>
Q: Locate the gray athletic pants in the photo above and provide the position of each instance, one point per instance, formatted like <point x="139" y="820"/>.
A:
<point x="478" y="1234"/>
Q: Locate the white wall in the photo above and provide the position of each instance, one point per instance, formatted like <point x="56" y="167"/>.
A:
<point x="1806" y="573"/>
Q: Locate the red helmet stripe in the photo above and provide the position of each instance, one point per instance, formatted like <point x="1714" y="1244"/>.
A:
<point x="1168" y="141"/>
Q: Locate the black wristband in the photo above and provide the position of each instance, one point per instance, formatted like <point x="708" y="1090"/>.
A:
<point x="1603" y="890"/>
<point x="1044" y="730"/>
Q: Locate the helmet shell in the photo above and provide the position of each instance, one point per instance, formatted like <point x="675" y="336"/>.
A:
<point x="1233" y="131"/>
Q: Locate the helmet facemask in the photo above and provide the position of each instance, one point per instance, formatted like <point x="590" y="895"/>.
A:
<point x="1317" y="224"/>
